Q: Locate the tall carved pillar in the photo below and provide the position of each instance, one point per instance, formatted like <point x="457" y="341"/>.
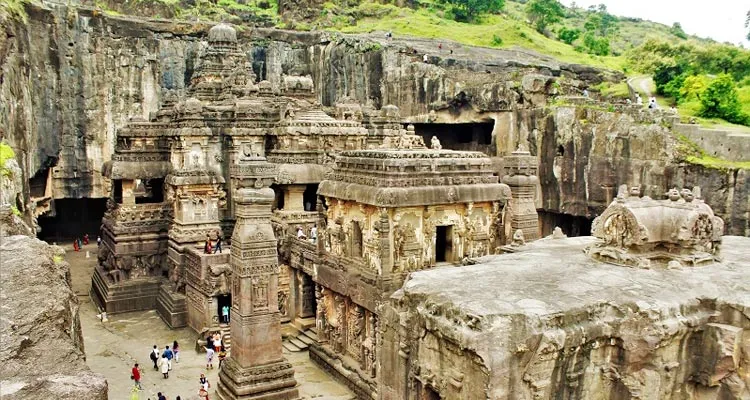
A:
<point x="256" y="368"/>
<point x="294" y="198"/>
<point x="384" y="231"/>
<point x="520" y="173"/>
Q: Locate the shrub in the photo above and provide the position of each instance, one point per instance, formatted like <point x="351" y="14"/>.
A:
<point x="497" y="40"/>
<point x="720" y="100"/>
<point x="568" y="35"/>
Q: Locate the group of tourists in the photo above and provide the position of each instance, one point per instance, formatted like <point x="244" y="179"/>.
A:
<point x="78" y="243"/>
<point x="214" y="346"/>
<point x="209" y="247"/>
<point x="163" y="360"/>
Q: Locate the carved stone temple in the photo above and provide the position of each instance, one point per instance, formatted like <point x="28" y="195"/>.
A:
<point x="411" y="271"/>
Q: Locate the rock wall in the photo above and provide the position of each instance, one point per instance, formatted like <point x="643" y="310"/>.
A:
<point x="41" y="344"/>
<point x="586" y="152"/>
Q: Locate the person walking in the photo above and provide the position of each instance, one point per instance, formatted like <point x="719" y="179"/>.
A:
<point x="222" y="355"/>
<point x="86" y="239"/>
<point x="225" y="314"/>
<point x="218" y="243"/>
<point x="98" y="241"/>
<point x="135" y="374"/>
<point x="176" y="350"/>
<point x="75" y="245"/>
<point x="203" y="391"/>
<point x="161" y="396"/>
<point x="155" y="356"/>
<point x="169" y="355"/>
<point x="209" y="358"/>
<point x="164" y="365"/>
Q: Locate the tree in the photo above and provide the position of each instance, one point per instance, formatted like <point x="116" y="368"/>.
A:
<point x="676" y="30"/>
<point x="568" y="35"/>
<point x="543" y="13"/>
<point x="469" y="10"/>
<point x="596" y="44"/>
<point x="720" y="100"/>
<point x="693" y="87"/>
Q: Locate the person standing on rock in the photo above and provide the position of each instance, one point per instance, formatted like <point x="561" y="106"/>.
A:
<point x="135" y="374"/>
<point x="155" y="356"/>
<point x="207" y="247"/>
<point x="164" y="365"/>
<point x="218" y="243"/>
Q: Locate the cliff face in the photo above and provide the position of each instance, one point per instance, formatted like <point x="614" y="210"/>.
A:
<point x="586" y="152"/>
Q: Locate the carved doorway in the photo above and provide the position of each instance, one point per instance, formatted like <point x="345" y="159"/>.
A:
<point x="223" y="301"/>
<point x="356" y="239"/>
<point x="444" y="243"/>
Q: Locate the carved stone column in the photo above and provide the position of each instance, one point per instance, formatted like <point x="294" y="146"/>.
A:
<point x="520" y="173"/>
<point x="294" y="198"/>
<point x="256" y="368"/>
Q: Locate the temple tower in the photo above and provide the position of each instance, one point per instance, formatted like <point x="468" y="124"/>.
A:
<point x="256" y="368"/>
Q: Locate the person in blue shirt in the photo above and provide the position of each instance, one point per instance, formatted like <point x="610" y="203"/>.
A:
<point x="169" y="355"/>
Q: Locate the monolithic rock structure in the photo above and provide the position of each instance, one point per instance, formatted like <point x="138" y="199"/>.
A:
<point x="549" y="321"/>
<point x="41" y="345"/>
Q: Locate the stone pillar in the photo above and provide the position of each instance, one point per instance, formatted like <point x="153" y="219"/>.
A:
<point x="307" y="295"/>
<point x="294" y="198"/>
<point x="520" y="173"/>
<point x="386" y="251"/>
<point x="256" y="368"/>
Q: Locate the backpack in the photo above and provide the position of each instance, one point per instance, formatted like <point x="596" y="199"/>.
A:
<point x="153" y="356"/>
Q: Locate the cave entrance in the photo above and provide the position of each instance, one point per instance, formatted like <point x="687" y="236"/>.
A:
<point x="476" y="136"/>
<point x="571" y="225"/>
<point x="444" y="243"/>
<point x="72" y="218"/>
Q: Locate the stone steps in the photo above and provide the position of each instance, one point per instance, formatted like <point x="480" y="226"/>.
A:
<point x="300" y="341"/>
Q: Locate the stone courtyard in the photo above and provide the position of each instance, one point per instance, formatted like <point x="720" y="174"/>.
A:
<point x="113" y="347"/>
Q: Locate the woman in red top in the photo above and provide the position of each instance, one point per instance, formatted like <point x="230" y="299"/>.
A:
<point x="135" y="374"/>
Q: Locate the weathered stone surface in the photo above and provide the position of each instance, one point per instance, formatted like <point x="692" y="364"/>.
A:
<point x="41" y="346"/>
<point x="548" y="321"/>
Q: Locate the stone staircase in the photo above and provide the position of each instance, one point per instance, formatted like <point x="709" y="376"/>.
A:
<point x="226" y="337"/>
<point x="301" y="341"/>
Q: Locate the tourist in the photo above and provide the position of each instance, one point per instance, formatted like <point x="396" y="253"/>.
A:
<point x="217" y="342"/>
<point x="98" y="241"/>
<point x="218" y="243"/>
<point x="169" y="354"/>
<point x="75" y="245"/>
<point x="225" y="314"/>
<point x="314" y="234"/>
<point x="155" y="356"/>
<point x="161" y="396"/>
<point x="135" y="375"/>
<point x="652" y="103"/>
<point x="440" y="46"/>
<point x="203" y="393"/>
<point x="204" y="382"/>
<point x="176" y="350"/>
<point x="300" y="233"/>
<point x="222" y="355"/>
<point x="585" y="93"/>
<point x="209" y="358"/>
<point x="80" y="243"/>
<point x="86" y="239"/>
<point x="425" y="58"/>
<point x="164" y="364"/>
<point x="208" y="247"/>
<point x="638" y="99"/>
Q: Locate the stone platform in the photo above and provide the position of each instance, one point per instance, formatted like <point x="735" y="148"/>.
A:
<point x="131" y="295"/>
<point x="172" y="307"/>
<point x="576" y="327"/>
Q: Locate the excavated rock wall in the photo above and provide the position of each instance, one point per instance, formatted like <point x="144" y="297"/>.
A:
<point x="587" y="152"/>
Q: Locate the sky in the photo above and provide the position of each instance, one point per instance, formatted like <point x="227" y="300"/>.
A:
<point x="721" y="20"/>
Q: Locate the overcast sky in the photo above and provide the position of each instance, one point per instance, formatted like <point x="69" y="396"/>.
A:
<point x="721" y="20"/>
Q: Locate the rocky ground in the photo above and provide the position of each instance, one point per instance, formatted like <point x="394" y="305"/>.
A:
<point x="113" y="347"/>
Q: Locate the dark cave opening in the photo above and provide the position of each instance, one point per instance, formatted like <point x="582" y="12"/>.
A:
<point x="571" y="225"/>
<point x="465" y="136"/>
<point x="72" y="218"/>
